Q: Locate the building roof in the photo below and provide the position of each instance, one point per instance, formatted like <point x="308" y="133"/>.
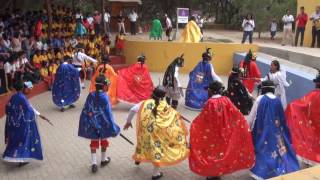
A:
<point x="137" y="1"/>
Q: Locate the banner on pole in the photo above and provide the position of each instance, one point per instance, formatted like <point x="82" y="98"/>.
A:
<point x="183" y="15"/>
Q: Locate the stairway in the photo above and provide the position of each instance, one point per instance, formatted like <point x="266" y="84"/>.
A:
<point x="118" y="62"/>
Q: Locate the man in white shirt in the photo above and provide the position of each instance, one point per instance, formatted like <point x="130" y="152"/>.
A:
<point x="133" y="19"/>
<point x="248" y="26"/>
<point x="315" y="18"/>
<point x="168" y="27"/>
<point x="287" y="20"/>
<point x="106" y="18"/>
<point x="78" y="61"/>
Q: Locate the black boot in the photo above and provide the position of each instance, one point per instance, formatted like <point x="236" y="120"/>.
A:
<point x="72" y="106"/>
<point x="213" y="178"/>
<point x="106" y="162"/>
<point x="168" y="100"/>
<point x="160" y="175"/>
<point x="23" y="164"/>
<point x="137" y="163"/>
<point x="175" y="104"/>
<point x="94" y="168"/>
<point x="62" y="109"/>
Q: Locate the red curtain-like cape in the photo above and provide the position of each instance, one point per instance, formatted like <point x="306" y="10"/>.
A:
<point x="303" y="118"/>
<point x="220" y="140"/>
<point x="134" y="83"/>
<point x="254" y="72"/>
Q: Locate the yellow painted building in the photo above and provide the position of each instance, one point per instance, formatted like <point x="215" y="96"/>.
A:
<point x="160" y="54"/>
<point x="310" y="6"/>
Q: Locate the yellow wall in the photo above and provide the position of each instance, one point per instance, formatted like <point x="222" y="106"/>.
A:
<point x="161" y="54"/>
<point x="310" y="7"/>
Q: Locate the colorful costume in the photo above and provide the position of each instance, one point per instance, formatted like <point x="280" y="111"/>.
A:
<point x="238" y="93"/>
<point x="96" y="120"/>
<point x="21" y="131"/>
<point x="108" y="71"/>
<point x="220" y="139"/>
<point x="250" y="71"/>
<point x="279" y="79"/>
<point x="134" y="83"/>
<point x="160" y="140"/>
<point x="156" y="29"/>
<point x="66" y="86"/>
<point x="191" y="33"/>
<point x="80" y="29"/>
<point x="172" y="83"/>
<point x="199" y="79"/>
<point x="271" y="137"/>
<point x="303" y="121"/>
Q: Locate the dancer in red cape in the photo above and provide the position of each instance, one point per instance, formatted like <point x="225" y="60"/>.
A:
<point x="303" y="117"/>
<point x="134" y="83"/>
<point x="250" y="71"/>
<point x="220" y="139"/>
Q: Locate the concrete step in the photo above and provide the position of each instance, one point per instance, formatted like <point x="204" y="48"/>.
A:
<point x="114" y="59"/>
<point x="301" y="55"/>
<point x="301" y="76"/>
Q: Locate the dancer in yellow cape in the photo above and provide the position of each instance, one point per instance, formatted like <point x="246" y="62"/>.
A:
<point x="161" y="133"/>
<point x="109" y="72"/>
<point x="191" y="32"/>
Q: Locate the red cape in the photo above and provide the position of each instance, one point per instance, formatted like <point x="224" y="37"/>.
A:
<point x="220" y="140"/>
<point x="303" y="118"/>
<point x="134" y="84"/>
<point x="254" y="72"/>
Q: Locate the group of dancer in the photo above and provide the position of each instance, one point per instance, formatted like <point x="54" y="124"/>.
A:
<point x="221" y="141"/>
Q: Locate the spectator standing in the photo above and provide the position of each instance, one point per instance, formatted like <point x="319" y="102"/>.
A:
<point x="287" y="20"/>
<point x="120" y="20"/>
<point x="16" y="42"/>
<point x="302" y="20"/>
<point x="133" y="16"/>
<point x="315" y="18"/>
<point x="248" y="26"/>
<point x="97" y="22"/>
<point x="3" y="77"/>
<point x="168" y="27"/>
<point x="106" y="18"/>
<point x="273" y="28"/>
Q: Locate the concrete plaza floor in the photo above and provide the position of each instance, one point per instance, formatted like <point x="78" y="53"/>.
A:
<point x="67" y="156"/>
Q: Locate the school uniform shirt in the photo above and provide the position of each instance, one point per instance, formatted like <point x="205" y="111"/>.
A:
<point x="7" y="68"/>
<point x="36" y="59"/>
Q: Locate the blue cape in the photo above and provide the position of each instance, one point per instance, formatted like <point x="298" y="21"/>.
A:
<point x="21" y="131"/>
<point x="96" y="120"/>
<point x="66" y="86"/>
<point x="272" y="141"/>
<point x="199" y="79"/>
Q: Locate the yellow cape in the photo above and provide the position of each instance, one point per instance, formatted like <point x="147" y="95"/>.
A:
<point x="191" y="33"/>
<point x="162" y="140"/>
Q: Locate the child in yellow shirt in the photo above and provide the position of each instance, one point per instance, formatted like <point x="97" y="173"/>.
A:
<point x="36" y="59"/>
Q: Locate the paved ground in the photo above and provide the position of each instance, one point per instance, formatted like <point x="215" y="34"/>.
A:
<point x="66" y="156"/>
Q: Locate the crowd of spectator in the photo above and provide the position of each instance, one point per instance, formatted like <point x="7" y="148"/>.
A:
<point x="28" y="53"/>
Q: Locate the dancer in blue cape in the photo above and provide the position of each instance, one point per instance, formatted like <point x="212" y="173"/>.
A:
<point x="271" y="137"/>
<point x="21" y="132"/>
<point x="97" y="122"/>
<point x="200" y="78"/>
<point x="66" y="86"/>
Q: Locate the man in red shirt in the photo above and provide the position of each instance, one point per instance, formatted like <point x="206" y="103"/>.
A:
<point x="302" y="20"/>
